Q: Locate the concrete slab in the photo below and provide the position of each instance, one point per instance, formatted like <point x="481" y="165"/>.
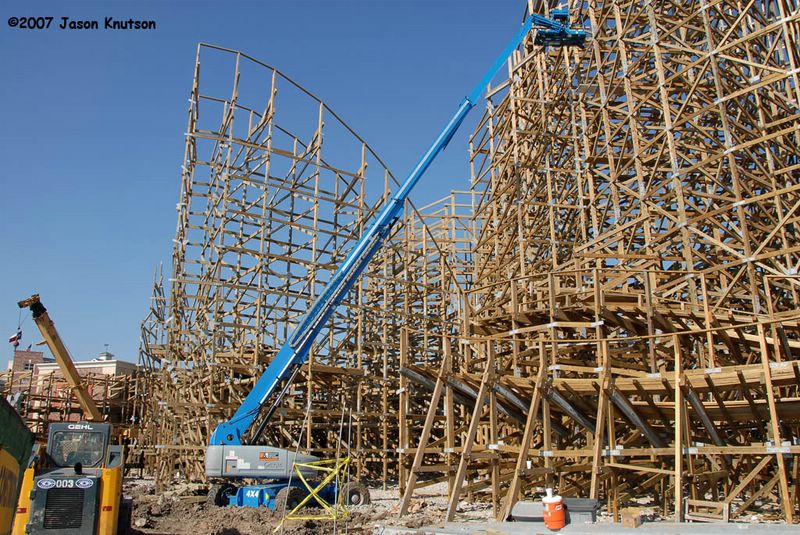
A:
<point x="650" y="528"/>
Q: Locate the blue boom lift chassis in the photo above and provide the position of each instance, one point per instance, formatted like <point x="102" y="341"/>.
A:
<point x="233" y="453"/>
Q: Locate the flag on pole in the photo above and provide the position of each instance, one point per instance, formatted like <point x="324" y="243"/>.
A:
<point x="15" y="338"/>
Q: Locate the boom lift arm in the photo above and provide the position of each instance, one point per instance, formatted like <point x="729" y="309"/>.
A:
<point x="266" y="394"/>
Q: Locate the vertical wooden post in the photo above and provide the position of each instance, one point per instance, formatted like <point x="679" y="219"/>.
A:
<point x="527" y="435"/>
<point x="775" y="427"/>
<point x="419" y="454"/>
<point x="469" y="440"/>
<point x="402" y="410"/>
<point x="678" y="393"/>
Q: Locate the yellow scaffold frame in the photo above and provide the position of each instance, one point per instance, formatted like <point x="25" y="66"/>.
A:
<point x="335" y="469"/>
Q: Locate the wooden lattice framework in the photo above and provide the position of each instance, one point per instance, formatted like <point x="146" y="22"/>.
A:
<point x="41" y="398"/>
<point x="632" y="312"/>
<point x="275" y="191"/>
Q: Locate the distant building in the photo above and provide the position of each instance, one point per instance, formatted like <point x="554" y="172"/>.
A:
<point x="106" y="383"/>
<point x="104" y="364"/>
<point x="25" y="361"/>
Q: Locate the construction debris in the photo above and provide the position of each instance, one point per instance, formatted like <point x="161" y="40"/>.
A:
<point x="631" y="517"/>
<point x="180" y="514"/>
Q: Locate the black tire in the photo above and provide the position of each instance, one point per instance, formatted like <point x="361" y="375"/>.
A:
<point x="355" y="493"/>
<point x="124" y="519"/>
<point x="287" y="499"/>
<point x="218" y="494"/>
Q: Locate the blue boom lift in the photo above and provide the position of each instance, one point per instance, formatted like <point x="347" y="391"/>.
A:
<point x="233" y="453"/>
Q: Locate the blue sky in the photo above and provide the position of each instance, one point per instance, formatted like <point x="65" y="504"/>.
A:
<point x="92" y="129"/>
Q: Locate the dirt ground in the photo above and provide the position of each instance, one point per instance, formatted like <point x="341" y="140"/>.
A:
<point x="183" y="511"/>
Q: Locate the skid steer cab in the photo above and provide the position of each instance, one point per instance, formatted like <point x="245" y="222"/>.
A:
<point x="74" y="486"/>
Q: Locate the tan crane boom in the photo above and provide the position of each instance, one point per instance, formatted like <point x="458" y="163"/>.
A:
<point x="59" y="351"/>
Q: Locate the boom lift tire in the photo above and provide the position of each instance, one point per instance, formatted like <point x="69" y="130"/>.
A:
<point x="356" y="493"/>
<point x="218" y="494"/>
<point x="287" y="499"/>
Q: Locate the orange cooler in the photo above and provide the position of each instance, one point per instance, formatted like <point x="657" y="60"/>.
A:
<point x="554" y="517"/>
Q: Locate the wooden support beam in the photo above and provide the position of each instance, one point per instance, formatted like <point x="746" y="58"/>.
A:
<point x="469" y="439"/>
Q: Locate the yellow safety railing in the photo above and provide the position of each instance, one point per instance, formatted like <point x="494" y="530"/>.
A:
<point x="335" y="469"/>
